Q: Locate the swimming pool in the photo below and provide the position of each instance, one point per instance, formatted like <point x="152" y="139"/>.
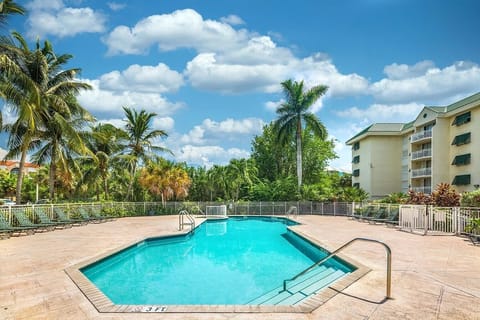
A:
<point x="229" y="262"/>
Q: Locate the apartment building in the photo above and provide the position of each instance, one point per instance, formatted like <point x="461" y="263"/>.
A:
<point x="442" y="144"/>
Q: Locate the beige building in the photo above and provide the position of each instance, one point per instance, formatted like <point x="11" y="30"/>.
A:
<point x="441" y="145"/>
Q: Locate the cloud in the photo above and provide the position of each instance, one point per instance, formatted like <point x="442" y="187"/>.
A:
<point x="110" y="102"/>
<point x="159" y="123"/>
<point x="115" y="6"/>
<point x="424" y="82"/>
<point x="383" y="112"/>
<point x="52" y="17"/>
<point x="232" y="19"/>
<point x="158" y="79"/>
<point x="180" y="29"/>
<point x="273" y="105"/>
<point x="227" y="130"/>
<point x="204" y="72"/>
<point x="208" y="155"/>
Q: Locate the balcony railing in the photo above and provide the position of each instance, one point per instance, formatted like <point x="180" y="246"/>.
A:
<point x="422" y="135"/>
<point x="421" y="154"/>
<point x="422" y="172"/>
<point x="423" y="189"/>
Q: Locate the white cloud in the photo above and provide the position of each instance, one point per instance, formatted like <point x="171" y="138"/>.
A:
<point x="163" y="123"/>
<point x="108" y="102"/>
<point x="52" y="17"/>
<point x="228" y="130"/>
<point x="273" y="105"/>
<point x="208" y="155"/>
<point x="232" y="19"/>
<point x="384" y="113"/>
<point x="157" y="79"/>
<point x="115" y="6"/>
<point x="423" y="82"/>
<point x="180" y="29"/>
<point x="204" y="72"/>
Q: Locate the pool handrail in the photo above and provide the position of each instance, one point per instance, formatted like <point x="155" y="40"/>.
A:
<point x="181" y="222"/>
<point x="389" y="263"/>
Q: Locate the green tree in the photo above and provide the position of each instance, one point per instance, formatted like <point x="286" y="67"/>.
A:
<point x="40" y="92"/>
<point x="9" y="8"/>
<point x="140" y="145"/>
<point x="105" y="141"/>
<point x="294" y="114"/>
<point x="7" y="184"/>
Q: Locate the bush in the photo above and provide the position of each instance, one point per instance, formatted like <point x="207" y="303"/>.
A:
<point x="443" y="196"/>
<point x="471" y="199"/>
<point x="398" y="197"/>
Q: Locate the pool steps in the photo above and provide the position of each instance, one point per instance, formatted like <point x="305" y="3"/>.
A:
<point x="301" y="288"/>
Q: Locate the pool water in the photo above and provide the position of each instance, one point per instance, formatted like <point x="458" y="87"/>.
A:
<point x="227" y="262"/>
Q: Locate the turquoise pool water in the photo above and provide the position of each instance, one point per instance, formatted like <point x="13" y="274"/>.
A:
<point x="232" y="261"/>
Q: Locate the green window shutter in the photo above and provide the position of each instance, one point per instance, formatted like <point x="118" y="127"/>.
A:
<point x="461" y="139"/>
<point x="356" y="159"/>
<point x="356" y="146"/>
<point x="461" y="180"/>
<point x="461" y="160"/>
<point x="356" y="185"/>
<point x="356" y="172"/>
<point x="462" y="119"/>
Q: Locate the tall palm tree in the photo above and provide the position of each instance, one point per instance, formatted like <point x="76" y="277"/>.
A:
<point x="140" y="140"/>
<point x="43" y="96"/>
<point x="294" y="112"/>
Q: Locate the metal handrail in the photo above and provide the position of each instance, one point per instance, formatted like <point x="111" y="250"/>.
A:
<point x="292" y="210"/>
<point x="181" y="222"/>
<point x="389" y="263"/>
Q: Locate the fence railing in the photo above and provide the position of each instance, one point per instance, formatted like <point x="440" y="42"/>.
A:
<point x="422" y="154"/>
<point x="421" y="135"/>
<point x="425" y="219"/>
<point x="123" y="209"/>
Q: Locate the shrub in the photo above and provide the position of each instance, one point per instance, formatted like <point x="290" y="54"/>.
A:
<point x="418" y="198"/>
<point x="471" y="199"/>
<point x="445" y="196"/>
<point x="398" y="197"/>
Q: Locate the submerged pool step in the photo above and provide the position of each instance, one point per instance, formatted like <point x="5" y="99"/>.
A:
<point x="301" y="288"/>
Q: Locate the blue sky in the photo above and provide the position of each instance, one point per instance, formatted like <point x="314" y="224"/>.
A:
<point x="211" y="70"/>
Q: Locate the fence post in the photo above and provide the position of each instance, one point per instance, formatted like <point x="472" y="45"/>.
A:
<point x="322" y="208"/>
<point x="334" y="207"/>
<point x="260" y="207"/>
<point x="426" y="220"/>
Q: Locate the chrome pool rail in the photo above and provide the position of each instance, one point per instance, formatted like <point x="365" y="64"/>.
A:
<point x="181" y="220"/>
<point x="389" y="263"/>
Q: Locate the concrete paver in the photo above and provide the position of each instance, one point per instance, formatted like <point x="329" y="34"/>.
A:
<point x="434" y="277"/>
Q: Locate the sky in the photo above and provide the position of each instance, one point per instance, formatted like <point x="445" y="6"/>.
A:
<point x="211" y="69"/>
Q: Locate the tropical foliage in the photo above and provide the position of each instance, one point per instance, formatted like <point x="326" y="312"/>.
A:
<point x="83" y="160"/>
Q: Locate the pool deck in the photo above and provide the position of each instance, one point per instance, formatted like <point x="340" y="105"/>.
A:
<point x="433" y="277"/>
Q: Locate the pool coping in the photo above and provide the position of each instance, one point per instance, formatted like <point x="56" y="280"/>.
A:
<point x="104" y="305"/>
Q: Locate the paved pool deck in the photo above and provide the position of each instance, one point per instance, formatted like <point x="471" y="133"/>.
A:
<point x="433" y="277"/>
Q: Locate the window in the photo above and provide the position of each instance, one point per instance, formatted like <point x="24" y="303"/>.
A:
<point x="462" y="119"/>
<point x="356" y="185"/>
<point x="461" y="160"/>
<point x="356" y="173"/>
<point x="461" y="139"/>
<point x="460" y="180"/>
<point x="356" y="146"/>
<point x="356" y="159"/>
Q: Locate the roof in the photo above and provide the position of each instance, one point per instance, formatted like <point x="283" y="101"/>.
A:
<point x="463" y="102"/>
<point x="408" y="125"/>
<point x="379" y="127"/>
<point x="10" y="163"/>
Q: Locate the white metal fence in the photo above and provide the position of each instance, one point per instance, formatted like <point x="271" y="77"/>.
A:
<point x="425" y="219"/>
<point x="122" y="209"/>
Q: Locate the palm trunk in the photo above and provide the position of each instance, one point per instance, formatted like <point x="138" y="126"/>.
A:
<point x="20" y="177"/>
<point x="105" y="187"/>
<point x="299" y="154"/>
<point x="130" y="185"/>
<point x="51" y="178"/>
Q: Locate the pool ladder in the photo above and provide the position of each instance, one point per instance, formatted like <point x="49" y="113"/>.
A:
<point x="389" y="264"/>
<point x="182" y="215"/>
<point x="292" y="211"/>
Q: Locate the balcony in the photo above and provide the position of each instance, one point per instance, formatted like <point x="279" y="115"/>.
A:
<point x="421" y="172"/>
<point x="423" y="189"/>
<point x="421" y="154"/>
<point x="422" y="135"/>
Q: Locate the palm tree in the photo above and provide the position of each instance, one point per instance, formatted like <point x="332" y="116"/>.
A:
<point x="8" y="8"/>
<point x="294" y="112"/>
<point x="140" y="136"/>
<point x="43" y="96"/>
<point x="104" y="142"/>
